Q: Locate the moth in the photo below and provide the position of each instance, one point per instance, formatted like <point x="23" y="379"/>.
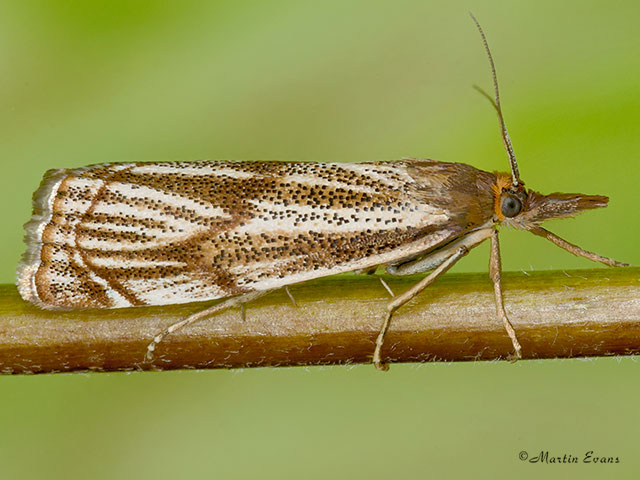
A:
<point x="130" y="234"/>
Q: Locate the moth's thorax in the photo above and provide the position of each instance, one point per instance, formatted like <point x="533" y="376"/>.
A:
<point x="464" y="192"/>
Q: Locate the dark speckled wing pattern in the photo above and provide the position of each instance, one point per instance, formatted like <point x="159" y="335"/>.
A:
<point x="119" y="235"/>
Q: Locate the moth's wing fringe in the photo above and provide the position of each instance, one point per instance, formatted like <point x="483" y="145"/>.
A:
<point x="42" y="212"/>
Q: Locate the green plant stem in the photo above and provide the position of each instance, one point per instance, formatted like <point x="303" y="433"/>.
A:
<point x="555" y="314"/>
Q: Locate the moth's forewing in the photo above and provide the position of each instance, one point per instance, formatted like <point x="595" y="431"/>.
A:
<point x="160" y="233"/>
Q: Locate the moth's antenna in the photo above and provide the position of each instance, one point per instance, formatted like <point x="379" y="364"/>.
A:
<point x="496" y="104"/>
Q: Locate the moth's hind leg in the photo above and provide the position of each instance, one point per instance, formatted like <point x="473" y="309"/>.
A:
<point x="196" y="317"/>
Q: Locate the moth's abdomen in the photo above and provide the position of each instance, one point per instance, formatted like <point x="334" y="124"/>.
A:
<point x="160" y="233"/>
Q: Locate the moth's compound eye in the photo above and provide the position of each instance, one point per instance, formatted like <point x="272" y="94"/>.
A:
<point x="511" y="206"/>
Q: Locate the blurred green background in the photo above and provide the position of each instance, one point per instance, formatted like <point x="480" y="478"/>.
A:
<point x="107" y="81"/>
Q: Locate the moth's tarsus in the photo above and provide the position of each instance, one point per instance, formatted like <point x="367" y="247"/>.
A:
<point x="240" y="300"/>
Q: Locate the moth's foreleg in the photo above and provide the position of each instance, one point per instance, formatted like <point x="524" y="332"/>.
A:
<point x="196" y="317"/>
<point x="574" y="249"/>
<point x="495" y="272"/>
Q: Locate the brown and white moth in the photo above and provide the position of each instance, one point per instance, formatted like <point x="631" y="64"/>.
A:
<point x="129" y="234"/>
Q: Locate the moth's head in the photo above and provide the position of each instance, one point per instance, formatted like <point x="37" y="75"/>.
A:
<point x="522" y="208"/>
<point x="516" y="206"/>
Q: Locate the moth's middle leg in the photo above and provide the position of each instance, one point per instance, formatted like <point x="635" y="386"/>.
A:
<point x="400" y="300"/>
<point x="443" y="260"/>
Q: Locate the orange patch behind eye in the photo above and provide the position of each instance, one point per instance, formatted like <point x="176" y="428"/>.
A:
<point x="503" y="182"/>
